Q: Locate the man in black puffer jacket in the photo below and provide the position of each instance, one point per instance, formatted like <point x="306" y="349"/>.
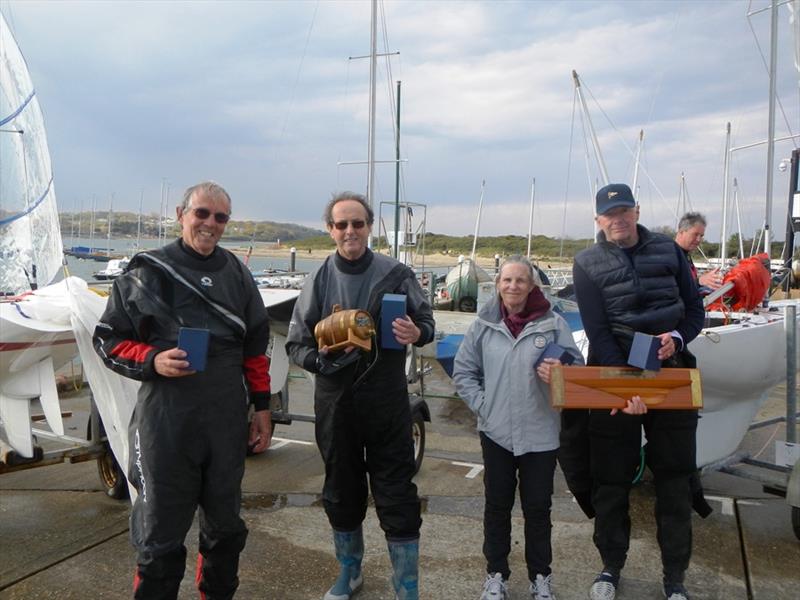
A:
<point x="633" y="280"/>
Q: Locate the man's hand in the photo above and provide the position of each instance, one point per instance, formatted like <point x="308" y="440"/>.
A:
<point x="711" y="279"/>
<point x="668" y="347"/>
<point x="634" y="406"/>
<point x="404" y="330"/>
<point x="260" y="436"/>
<point x="172" y="363"/>
<point x="543" y="370"/>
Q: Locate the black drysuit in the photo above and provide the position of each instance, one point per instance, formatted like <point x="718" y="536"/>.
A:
<point x="363" y="419"/>
<point x="188" y="435"/>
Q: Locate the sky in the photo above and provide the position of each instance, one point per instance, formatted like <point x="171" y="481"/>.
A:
<point x="263" y="98"/>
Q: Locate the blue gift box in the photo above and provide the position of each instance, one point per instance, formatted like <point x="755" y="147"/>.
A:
<point x="393" y="306"/>
<point x="644" y="352"/>
<point x="553" y="350"/>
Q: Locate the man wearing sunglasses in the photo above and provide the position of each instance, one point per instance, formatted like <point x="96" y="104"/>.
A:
<point x="189" y="432"/>
<point x="363" y="419"/>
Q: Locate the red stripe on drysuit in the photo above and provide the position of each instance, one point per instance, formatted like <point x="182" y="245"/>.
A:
<point x="198" y="576"/>
<point x="133" y="351"/>
<point x="256" y="370"/>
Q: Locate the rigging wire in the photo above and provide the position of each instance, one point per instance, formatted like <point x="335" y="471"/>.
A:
<point x="296" y="81"/>
<point x="766" y="68"/>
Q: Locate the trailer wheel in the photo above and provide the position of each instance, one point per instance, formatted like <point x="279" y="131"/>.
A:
<point x="418" y="435"/>
<point x="796" y="521"/>
<point x="468" y="304"/>
<point x="112" y="476"/>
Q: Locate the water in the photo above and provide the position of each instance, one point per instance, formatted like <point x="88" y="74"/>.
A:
<point x="85" y="269"/>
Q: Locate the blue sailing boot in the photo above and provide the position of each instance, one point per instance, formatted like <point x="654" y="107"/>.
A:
<point x="405" y="561"/>
<point x="349" y="552"/>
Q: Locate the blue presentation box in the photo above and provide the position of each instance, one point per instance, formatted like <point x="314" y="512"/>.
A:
<point x="644" y="352"/>
<point x="553" y="350"/>
<point x="393" y="306"/>
<point x="195" y="343"/>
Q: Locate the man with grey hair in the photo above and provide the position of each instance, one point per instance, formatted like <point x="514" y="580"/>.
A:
<point x="189" y="432"/>
<point x="691" y="231"/>
<point x="363" y="418"/>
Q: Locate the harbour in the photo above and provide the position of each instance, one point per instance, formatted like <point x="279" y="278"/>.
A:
<point x="62" y="537"/>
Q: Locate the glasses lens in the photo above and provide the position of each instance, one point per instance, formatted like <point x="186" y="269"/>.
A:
<point x="204" y="213"/>
<point x="342" y="225"/>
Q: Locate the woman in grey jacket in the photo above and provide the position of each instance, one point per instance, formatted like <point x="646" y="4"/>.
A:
<point x="496" y="374"/>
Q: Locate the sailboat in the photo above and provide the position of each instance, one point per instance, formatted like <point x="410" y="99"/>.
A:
<point x="35" y="336"/>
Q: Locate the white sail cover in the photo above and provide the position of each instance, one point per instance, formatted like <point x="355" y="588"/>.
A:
<point x="29" y="226"/>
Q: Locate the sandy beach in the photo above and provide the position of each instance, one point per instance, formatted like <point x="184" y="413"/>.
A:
<point x="431" y="260"/>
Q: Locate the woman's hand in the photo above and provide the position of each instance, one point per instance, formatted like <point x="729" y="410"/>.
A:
<point x="634" y="406"/>
<point x="543" y="370"/>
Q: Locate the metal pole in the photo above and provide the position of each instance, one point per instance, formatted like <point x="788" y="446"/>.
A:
<point x="595" y="145"/>
<point x="397" y="180"/>
<point x="773" y="61"/>
<point x="372" y="75"/>
<point x="794" y="189"/>
<point x="292" y="259"/>
<point x="790" y="315"/>
<point x="723" y="248"/>
<point x="636" y="167"/>
<point x="530" y="218"/>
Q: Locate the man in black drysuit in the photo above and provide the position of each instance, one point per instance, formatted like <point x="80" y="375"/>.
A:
<point x="633" y="280"/>
<point x="189" y="432"/>
<point x="363" y="418"/>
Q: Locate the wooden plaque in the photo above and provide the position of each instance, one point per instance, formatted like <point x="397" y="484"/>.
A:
<point x="612" y="387"/>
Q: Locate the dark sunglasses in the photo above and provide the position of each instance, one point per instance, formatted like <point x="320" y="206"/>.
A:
<point x="342" y="225"/>
<point x="204" y="213"/>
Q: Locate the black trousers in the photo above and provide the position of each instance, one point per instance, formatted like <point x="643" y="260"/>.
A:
<point x="187" y="449"/>
<point x="534" y="474"/>
<point x="615" y="443"/>
<point x="365" y="441"/>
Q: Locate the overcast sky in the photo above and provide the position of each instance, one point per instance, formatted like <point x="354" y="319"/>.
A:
<point x="261" y="97"/>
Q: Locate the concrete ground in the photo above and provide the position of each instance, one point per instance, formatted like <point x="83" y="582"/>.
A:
<point x="62" y="537"/>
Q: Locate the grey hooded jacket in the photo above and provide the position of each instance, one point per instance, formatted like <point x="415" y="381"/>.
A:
<point x="494" y="374"/>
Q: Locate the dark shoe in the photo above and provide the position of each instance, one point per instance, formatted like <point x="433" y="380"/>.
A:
<point x="604" y="587"/>
<point x="675" y="591"/>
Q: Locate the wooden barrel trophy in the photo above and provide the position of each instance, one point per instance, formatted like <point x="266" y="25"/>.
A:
<point x="612" y="387"/>
<point x="343" y="328"/>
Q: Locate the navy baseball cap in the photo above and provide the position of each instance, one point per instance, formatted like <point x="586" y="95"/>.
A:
<point x="612" y="196"/>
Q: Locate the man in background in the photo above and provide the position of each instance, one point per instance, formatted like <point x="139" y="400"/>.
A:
<point x="691" y="231"/>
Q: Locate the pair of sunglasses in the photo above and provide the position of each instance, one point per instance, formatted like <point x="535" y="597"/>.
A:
<point x="342" y="225"/>
<point x="204" y="213"/>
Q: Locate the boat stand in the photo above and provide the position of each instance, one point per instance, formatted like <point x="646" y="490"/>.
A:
<point x="94" y="447"/>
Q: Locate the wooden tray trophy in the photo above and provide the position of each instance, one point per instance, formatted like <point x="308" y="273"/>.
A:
<point x="612" y="387"/>
<point x="343" y="328"/>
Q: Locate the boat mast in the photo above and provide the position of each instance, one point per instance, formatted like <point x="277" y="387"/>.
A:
<point x="372" y="77"/>
<point x="477" y="222"/>
<point x="108" y="230"/>
<point x="139" y="222"/>
<point x="723" y="248"/>
<point x="397" y="181"/>
<point x="773" y="61"/>
<point x="595" y="145"/>
<point x="530" y="219"/>
<point x="636" y="165"/>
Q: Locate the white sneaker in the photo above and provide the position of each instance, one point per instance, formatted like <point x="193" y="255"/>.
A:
<point x="494" y="588"/>
<point x="540" y="589"/>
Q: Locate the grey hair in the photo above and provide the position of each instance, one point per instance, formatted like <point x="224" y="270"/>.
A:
<point x="205" y="188"/>
<point x="518" y="259"/>
<point x="327" y="216"/>
<point x="690" y="219"/>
